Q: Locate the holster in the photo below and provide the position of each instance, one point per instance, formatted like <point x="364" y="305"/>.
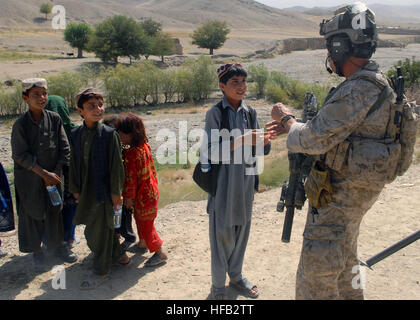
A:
<point x="318" y="187"/>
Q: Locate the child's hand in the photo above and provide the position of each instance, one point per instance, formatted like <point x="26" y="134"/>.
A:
<point x="76" y="196"/>
<point x="129" y="203"/>
<point x="50" y="178"/>
<point x="117" y="200"/>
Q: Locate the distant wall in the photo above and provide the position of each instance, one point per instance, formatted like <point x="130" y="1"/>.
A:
<point x="177" y="47"/>
<point x="400" y="31"/>
<point x="300" y="44"/>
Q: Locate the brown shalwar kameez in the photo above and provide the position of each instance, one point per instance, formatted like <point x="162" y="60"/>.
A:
<point x="44" y="143"/>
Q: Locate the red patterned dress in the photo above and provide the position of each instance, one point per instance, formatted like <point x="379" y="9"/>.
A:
<point x="141" y="184"/>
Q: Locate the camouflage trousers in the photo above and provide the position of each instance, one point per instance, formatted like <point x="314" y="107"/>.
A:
<point x="328" y="262"/>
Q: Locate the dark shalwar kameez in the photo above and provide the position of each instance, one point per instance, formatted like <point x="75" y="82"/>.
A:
<point x="44" y="143"/>
<point x="98" y="217"/>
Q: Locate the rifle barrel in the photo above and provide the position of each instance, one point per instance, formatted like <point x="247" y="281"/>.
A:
<point x="288" y="223"/>
<point x="392" y="249"/>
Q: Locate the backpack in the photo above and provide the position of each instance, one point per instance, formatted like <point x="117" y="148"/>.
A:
<point x="402" y="127"/>
<point x="399" y="142"/>
<point x="208" y="180"/>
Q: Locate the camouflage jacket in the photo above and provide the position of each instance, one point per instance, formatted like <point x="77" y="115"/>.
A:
<point x="355" y="144"/>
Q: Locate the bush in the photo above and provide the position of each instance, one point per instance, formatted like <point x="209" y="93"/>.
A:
<point x="204" y="78"/>
<point x="118" y="86"/>
<point x="410" y="70"/>
<point x="184" y="85"/>
<point x="289" y="91"/>
<point x="169" y="85"/>
<point x="153" y="77"/>
<point x="275" y="93"/>
<point x="11" y="102"/>
<point x="67" y="85"/>
<point x="260" y="75"/>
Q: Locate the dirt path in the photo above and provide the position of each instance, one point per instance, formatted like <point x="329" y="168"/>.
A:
<point x="269" y="263"/>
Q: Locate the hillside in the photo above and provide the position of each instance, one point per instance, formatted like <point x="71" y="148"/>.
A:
<point x="173" y="14"/>
<point x="385" y="14"/>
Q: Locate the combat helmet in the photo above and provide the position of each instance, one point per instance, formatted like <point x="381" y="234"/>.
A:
<point x="351" y="32"/>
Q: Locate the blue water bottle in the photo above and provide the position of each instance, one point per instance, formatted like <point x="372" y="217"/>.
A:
<point x="117" y="217"/>
<point x="54" y="195"/>
<point x="205" y="167"/>
<point x="3" y="201"/>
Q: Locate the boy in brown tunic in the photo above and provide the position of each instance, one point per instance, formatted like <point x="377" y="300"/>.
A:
<point x="39" y="150"/>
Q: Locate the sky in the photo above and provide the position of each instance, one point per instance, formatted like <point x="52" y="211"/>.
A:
<point x="330" y="3"/>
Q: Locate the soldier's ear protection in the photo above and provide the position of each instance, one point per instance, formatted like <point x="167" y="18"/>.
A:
<point x="340" y="48"/>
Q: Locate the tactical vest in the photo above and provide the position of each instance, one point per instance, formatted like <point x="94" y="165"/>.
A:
<point x="398" y="142"/>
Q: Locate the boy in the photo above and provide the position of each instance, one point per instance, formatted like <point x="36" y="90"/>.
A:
<point x="231" y="208"/>
<point x="58" y="105"/>
<point x="39" y="149"/>
<point x="96" y="181"/>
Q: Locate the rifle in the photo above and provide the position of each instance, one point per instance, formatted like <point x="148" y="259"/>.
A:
<point x="293" y="192"/>
<point x="391" y="250"/>
<point x="399" y="87"/>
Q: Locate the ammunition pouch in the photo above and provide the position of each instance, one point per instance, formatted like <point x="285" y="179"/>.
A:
<point x="318" y="187"/>
<point x="373" y="162"/>
<point x="336" y="158"/>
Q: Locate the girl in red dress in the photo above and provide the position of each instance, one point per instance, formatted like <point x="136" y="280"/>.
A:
<point x="141" y="184"/>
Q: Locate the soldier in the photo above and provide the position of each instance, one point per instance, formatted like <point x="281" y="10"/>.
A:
<point x="355" y="155"/>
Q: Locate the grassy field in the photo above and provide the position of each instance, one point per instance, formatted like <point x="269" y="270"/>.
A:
<point x="13" y="55"/>
<point x="176" y="184"/>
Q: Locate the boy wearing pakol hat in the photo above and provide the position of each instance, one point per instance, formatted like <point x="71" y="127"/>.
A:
<point x="230" y="209"/>
<point x="39" y="149"/>
<point x="96" y="180"/>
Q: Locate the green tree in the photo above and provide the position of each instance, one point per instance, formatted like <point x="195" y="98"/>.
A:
<point x="119" y="36"/>
<point x="151" y="27"/>
<point x="46" y="9"/>
<point x="212" y="35"/>
<point x="162" y="45"/>
<point x="260" y="75"/>
<point x="77" y="35"/>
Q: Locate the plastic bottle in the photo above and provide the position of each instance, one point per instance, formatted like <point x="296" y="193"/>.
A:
<point x="205" y="167"/>
<point x="54" y="195"/>
<point x="3" y="201"/>
<point x="117" y="217"/>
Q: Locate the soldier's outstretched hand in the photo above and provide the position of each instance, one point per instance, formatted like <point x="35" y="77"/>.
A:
<point x="275" y="129"/>
<point x="279" y="111"/>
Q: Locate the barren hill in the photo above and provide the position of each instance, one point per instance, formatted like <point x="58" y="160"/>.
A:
<point x="173" y="14"/>
<point x="385" y="14"/>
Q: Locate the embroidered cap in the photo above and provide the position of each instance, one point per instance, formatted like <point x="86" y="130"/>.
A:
<point x="84" y="95"/>
<point x="223" y="69"/>
<point x="27" y="84"/>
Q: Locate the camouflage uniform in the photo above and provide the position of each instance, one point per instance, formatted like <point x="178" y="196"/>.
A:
<point x="358" y="162"/>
